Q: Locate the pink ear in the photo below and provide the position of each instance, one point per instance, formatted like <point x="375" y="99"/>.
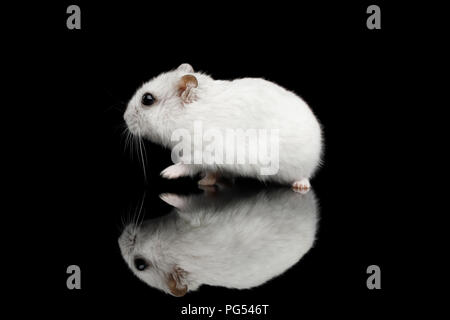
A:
<point x="188" y="81"/>
<point x="186" y="86"/>
<point x="186" y="67"/>
<point x="177" y="292"/>
<point x="174" y="282"/>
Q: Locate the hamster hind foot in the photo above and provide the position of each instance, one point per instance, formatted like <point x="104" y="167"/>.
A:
<point x="302" y="186"/>
<point x="209" y="179"/>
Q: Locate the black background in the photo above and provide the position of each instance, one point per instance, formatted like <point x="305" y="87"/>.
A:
<point x="82" y="181"/>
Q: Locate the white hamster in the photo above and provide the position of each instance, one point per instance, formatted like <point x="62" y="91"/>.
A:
<point x="181" y="98"/>
<point x="233" y="239"/>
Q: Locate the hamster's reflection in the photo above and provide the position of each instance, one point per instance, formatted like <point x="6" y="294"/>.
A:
<point x="232" y="238"/>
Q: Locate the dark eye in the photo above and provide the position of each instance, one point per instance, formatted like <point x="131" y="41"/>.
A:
<point x="141" y="264"/>
<point x="148" y="99"/>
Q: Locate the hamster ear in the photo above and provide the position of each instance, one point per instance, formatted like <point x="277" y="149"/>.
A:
<point x="174" y="200"/>
<point x="186" y="86"/>
<point x="174" y="282"/>
<point x="186" y="67"/>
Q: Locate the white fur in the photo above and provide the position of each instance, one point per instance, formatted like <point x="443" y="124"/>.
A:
<point x="247" y="103"/>
<point x="233" y="238"/>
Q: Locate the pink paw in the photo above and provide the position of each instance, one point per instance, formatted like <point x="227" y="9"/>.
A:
<point x="174" y="200"/>
<point x="301" y="186"/>
<point x="209" y="180"/>
<point x="175" y="171"/>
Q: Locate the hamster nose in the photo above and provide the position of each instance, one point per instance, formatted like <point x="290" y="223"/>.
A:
<point x="140" y="264"/>
<point x="131" y="121"/>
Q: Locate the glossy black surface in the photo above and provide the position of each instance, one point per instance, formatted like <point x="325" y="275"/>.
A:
<point x="84" y="182"/>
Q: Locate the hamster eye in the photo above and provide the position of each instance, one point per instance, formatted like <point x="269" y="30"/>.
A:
<point x="141" y="264"/>
<point x="148" y="99"/>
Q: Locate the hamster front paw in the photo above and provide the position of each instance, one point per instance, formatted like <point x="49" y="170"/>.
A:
<point x="175" y="171"/>
<point x="302" y="186"/>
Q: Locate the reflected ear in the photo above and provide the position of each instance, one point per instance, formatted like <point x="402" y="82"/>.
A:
<point x="186" y="67"/>
<point x="174" y="282"/>
<point x="174" y="200"/>
<point x="186" y="88"/>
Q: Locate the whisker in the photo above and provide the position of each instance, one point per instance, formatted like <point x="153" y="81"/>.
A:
<point x="142" y="157"/>
<point x="139" y="220"/>
<point x="135" y="144"/>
